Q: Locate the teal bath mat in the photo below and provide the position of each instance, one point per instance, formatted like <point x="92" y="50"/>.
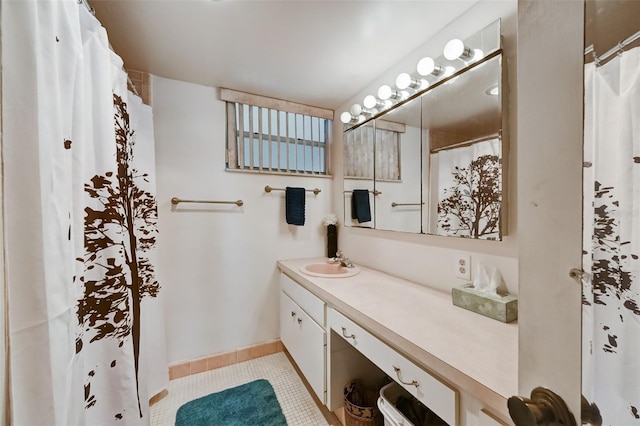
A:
<point x="251" y="404"/>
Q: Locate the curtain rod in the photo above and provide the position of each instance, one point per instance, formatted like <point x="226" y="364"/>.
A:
<point x="130" y="84"/>
<point x="497" y="135"/>
<point x="622" y="44"/>
<point x="88" y="6"/>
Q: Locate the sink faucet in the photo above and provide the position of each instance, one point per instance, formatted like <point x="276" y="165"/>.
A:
<point x="344" y="261"/>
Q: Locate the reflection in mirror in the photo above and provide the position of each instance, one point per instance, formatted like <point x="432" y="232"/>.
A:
<point x="468" y="180"/>
<point x="358" y="176"/>
<point x="397" y="169"/>
<point x="461" y="123"/>
<point x="611" y="197"/>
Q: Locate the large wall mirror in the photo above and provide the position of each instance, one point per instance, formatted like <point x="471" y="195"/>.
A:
<point x="463" y="130"/>
<point x="426" y="155"/>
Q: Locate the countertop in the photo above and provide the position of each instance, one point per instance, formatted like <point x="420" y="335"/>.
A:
<point x="471" y="352"/>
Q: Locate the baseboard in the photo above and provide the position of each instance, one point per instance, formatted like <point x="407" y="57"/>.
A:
<point x="333" y="419"/>
<point x="223" y="359"/>
<point x="157" y="397"/>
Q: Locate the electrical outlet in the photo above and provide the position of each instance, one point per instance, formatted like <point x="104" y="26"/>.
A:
<point x="463" y="266"/>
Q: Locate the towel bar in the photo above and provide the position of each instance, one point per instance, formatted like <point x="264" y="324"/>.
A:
<point x="394" y="204"/>
<point x="376" y="193"/>
<point x="267" y="188"/>
<point x="176" y="201"/>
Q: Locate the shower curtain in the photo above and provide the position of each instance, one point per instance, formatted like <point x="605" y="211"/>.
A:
<point x="611" y="240"/>
<point x="86" y="337"/>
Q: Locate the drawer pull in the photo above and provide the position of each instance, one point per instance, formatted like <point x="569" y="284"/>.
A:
<point x="293" y="314"/>
<point x="344" y="334"/>
<point x="299" y="320"/>
<point x="412" y="383"/>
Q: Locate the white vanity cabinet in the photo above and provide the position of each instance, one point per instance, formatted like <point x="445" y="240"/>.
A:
<point x="461" y="365"/>
<point x="302" y="319"/>
<point x="440" y="398"/>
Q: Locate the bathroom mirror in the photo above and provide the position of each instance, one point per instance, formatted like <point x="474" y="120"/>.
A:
<point x="397" y="145"/>
<point x="448" y="128"/>
<point x="461" y="122"/>
<point x="359" y="190"/>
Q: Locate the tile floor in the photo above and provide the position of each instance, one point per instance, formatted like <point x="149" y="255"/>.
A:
<point x="298" y="406"/>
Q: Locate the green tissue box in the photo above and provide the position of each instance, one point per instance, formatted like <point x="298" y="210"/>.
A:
<point x="502" y="307"/>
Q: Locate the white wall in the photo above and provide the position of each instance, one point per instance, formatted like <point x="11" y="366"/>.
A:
<point x="430" y="259"/>
<point x="218" y="262"/>
<point x="4" y="415"/>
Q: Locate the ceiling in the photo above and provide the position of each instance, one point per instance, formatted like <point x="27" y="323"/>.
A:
<point x="316" y="53"/>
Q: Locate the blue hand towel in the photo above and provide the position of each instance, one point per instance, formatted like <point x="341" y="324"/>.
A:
<point x="294" y="205"/>
<point x="360" y="208"/>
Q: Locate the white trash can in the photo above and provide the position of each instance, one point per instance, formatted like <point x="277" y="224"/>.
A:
<point x="387" y="404"/>
<point x="390" y="398"/>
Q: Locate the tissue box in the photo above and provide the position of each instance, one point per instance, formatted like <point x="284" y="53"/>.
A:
<point x="501" y="308"/>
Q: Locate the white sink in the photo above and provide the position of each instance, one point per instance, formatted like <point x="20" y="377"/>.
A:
<point x="329" y="270"/>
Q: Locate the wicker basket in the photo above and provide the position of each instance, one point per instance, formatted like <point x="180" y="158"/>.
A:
<point x="360" y="405"/>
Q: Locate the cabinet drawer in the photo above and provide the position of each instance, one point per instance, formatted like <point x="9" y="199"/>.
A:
<point x="440" y="398"/>
<point x="312" y="305"/>
<point x="305" y="341"/>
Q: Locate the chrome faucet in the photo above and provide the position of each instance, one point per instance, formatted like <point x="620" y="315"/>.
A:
<point x="344" y="261"/>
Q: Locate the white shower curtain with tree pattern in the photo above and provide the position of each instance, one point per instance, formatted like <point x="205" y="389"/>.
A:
<point x="611" y="294"/>
<point x="86" y="334"/>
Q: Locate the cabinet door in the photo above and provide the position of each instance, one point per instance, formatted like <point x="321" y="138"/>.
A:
<point x="305" y="341"/>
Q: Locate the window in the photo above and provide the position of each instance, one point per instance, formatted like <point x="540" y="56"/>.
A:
<point x="268" y="135"/>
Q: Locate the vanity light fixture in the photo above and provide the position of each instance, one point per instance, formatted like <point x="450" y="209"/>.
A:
<point x="356" y="110"/>
<point x="455" y="49"/>
<point x="407" y="83"/>
<point x="386" y="92"/>
<point x="347" y="118"/>
<point x="371" y="102"/>
<point x="427" y="66"/>
<point x="404" y="81"/>
<point x="356" y="115"/>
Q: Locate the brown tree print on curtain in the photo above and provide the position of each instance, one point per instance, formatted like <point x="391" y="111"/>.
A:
<point x="611" y="277"/>
<point x="117" y="236"/>
<point x="472" y="207"/>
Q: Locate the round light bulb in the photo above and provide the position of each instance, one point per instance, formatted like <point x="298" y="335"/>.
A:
<point x="345" y="117"/>
<point x="478" y="54"/>
<point x="384" y="92"/>
<point x="370" y="102"/>
<point x="426" y="66"/>
<point x="356" y="110"/>
<point x="454" y="49"/>
<point x="403" y="81"/>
